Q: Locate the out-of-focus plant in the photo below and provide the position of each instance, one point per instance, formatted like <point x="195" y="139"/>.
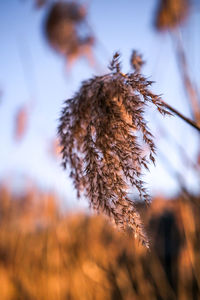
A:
<point x="171" y="14"/>
<point x="55" y="148"/>
<point x="40" y="3"/>
<point x="64" y="27"/>
<point x="21" y="122"/>
<point x="46" y="255"/>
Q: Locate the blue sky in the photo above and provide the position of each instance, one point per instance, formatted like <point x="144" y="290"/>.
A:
<point x="31" y="72"/>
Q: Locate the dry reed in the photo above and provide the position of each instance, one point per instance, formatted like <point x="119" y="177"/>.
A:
<point x="171" y="14"/>
<point x="63" y="29"/>
<point x="48" y="256"/>
<point x="100" y="130"/>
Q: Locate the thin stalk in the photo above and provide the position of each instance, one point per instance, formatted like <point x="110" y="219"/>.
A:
<point x="184" y="70"/>
<point x="180" y="115"/>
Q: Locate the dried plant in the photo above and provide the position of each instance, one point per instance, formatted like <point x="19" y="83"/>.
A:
<point x="100" y="137"/>
<point x="63" y="27"/>
<point x="136" y="61"/>
<point x="54" y="148"/>
<point x="40" y="3"/>
<point x="171" y="13"/>
<point x="21" y="122"/>
<point x="46" y="254"/>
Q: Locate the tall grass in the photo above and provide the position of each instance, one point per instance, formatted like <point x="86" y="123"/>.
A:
<point x="48" y="255"/>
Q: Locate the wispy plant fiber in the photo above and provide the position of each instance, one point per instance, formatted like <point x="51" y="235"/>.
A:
<point x="100" y="129"/>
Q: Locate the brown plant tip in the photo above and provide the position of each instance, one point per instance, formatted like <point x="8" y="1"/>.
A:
<point x="100" y="133"/>
<point x="63" y="28"/>
<point x="136" y="61"/>
<point x="21" y="122"/>
<point x="171" y="13"/>
<point x="40" y="3"/>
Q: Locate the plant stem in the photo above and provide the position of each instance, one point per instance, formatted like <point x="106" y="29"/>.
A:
<point x="184" y="70"/>
<point x="189" y="121"/>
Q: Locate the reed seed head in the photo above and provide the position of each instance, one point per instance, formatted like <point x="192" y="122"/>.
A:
<point x="171" y="13"/>
<point x="100" y="129"/>
<point x="63" y="28"/>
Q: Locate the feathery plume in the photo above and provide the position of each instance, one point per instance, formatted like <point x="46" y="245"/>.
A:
<point x="136" y="61"/>
<point x="63" y="26"/>
<point x="171" y="13"/>
<point x="99" y="131"/>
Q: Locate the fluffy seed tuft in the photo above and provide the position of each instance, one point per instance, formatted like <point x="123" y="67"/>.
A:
<point x="100" y="133"/>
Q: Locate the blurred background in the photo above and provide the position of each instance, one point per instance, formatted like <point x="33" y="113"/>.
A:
<point x="47" y="49"/>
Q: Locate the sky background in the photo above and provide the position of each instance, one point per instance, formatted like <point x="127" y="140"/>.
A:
<point x="32" y="73"/>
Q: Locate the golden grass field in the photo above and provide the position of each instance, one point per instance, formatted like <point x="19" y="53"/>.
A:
<point x="46" y="254"/>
